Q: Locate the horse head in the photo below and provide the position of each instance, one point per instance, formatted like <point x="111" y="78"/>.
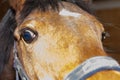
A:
<point x="54" y="37"/>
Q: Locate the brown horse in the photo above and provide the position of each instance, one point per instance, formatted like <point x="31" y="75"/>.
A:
<point x="53" y="40"/>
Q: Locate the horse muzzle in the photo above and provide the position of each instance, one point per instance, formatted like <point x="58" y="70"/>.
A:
<point x="82" y="72"/>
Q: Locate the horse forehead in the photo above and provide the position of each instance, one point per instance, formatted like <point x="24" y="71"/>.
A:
<point x="62" y="16"/>
<point x="67" y="15"/>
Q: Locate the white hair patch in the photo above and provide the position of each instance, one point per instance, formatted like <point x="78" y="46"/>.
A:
<point x="65" y="12"/>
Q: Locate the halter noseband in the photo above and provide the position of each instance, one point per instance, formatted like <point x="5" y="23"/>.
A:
<point x="82" y="72"/>
<point x="92" y="66"/>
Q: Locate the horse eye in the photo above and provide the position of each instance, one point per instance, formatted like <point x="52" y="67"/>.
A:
<point x="104" y="35"/>
<point x="28" y="36"/>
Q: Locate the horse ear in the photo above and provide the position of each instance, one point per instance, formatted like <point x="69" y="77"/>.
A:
<point x="16" y="4"/>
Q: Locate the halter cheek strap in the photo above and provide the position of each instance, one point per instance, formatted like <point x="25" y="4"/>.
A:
<point x="20" y="72"/>
<point x="92" y="66"/>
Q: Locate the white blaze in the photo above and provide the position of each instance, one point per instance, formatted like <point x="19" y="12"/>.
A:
<point x="65" y="12"/>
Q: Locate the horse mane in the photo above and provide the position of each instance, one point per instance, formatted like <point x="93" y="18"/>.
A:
<point x="8" y="23"/>
<point x="7" y="27"/>
<point x="43" y="5"/>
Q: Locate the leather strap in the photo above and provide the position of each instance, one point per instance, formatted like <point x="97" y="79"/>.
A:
<point x="92" y="66"/>
<point x="20" y="72"/>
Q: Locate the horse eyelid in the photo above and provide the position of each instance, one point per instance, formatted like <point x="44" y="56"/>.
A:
<point x="29" y="29"/>
<point x="35" y="34"/>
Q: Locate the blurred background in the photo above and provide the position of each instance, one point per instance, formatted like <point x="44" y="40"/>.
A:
<point x="108" y="12"/>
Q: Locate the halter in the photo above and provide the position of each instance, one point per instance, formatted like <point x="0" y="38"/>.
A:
<point x="20" y="72"/>
<point x="92" y="66"/>
<point x="82" y="72"/>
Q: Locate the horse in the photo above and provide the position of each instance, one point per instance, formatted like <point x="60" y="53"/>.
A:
<point x="53" y="40"/>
